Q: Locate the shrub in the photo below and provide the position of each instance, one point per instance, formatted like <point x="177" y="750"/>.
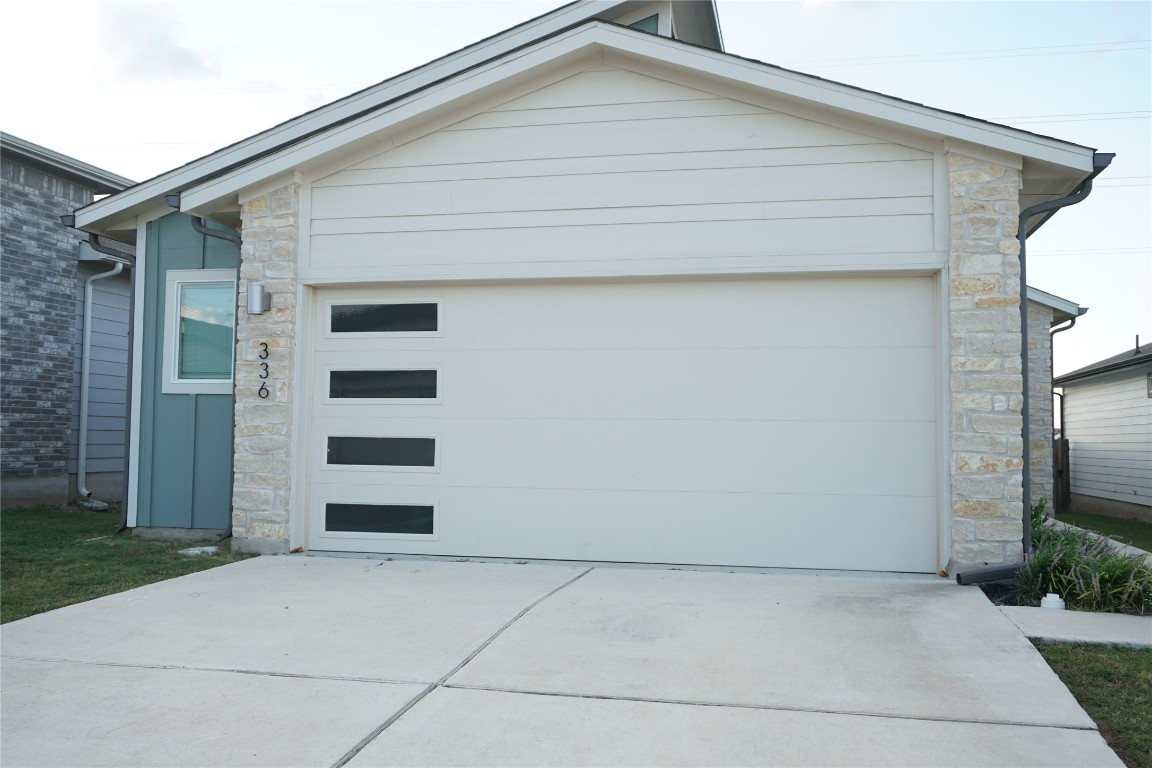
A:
<point x="1084" y="570"/>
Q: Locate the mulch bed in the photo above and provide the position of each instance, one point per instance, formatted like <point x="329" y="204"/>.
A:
<point x="1004" y="593"/>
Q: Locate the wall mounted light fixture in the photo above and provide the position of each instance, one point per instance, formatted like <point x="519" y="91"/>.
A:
<point x="259" y="300"/>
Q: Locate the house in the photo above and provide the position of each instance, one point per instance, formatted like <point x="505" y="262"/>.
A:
<point x="585" y="291"/>
<point x="46" y="269"/>
<point x="1107" y="420"/>
<point x="1047" y="316"/>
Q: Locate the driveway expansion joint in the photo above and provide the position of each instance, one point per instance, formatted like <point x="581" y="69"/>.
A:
<point x="442" y="682"/>
<point x="763" y="707"/>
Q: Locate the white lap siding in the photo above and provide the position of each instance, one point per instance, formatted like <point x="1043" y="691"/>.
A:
<point x="1109" y="427"/>
<point x="614" y="167"/>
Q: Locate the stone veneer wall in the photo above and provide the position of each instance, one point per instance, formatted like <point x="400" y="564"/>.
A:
<point x="986" y="385"/>
<point x="264" y="436"/>
<point x="1040" y="401"/>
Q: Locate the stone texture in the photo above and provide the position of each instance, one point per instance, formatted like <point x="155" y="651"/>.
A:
<point x="265" y="436"/>
<point x="1040" y="417"/>
<point x="985" y="383"/>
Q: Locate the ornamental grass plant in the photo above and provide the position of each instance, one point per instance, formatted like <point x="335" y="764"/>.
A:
<point x="1088" y="572"/>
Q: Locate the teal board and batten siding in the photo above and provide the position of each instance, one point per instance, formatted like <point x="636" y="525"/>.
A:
<point x="185" y="439"/>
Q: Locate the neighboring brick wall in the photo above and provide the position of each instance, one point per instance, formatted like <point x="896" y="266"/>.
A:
<point x="264" y="438"/>
<point x="1040" y="401"/>
<point x="986" y="385"/>
<point x="37" y="325"/>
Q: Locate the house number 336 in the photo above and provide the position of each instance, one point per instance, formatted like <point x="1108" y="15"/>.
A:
<point x="263" y="391"/>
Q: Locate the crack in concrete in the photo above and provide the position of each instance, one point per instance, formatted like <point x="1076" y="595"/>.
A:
<point x="442" y="682"/>
<point x="183" y="668"/>
<point x="768" y="707"/>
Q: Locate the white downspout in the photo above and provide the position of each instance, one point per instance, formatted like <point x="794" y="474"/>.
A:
<point x="86" y="499"/>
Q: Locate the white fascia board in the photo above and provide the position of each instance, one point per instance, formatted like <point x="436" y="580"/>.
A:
<point x="556" y="52"/>
<point x="132" y="200"/>
<point x="864" y="103"/>
<point x="1055" y="302"/>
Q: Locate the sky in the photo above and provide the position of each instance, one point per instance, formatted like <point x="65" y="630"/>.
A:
<point x="138" y="87"/>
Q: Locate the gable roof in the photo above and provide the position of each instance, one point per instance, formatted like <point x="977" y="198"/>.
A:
<point x="1128" y="359"/>
<point x="1051" y="168"/>
<point x="694" y="18"/>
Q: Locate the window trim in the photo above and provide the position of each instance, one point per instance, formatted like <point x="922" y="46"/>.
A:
<point x="326" y="386"/>
<point x="326" y="467"/>
<point x="171" y="383"/>
<point x="325" y="533"/>
<point x="330" y="334"/>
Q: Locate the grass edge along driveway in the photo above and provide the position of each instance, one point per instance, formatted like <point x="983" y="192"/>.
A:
<point x="51" y="557"/>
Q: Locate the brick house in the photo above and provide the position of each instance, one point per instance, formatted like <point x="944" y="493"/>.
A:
<point x="43" y="273"/>
<point x="594" y="289"/>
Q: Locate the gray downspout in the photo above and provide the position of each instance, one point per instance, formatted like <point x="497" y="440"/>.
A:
<point x="86" y="499"/>
<point x="94" y="242"/>
<point x="1100" y="161"/>
<point x="1060" y="395"/>
<point x="173" y="201"/>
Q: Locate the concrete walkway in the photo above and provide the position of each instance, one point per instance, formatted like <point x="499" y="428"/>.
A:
<point x="285" y="661"/>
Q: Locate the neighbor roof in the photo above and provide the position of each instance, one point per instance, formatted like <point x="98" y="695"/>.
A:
<point x="1133" y="357"/>
<point x="69" y="168"/>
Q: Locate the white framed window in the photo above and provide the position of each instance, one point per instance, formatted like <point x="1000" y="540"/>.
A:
<point x="383" y="318"/>
<point x="199" y="331"/>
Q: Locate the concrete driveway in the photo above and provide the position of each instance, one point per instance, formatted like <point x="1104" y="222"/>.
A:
<point x="285" y="661"/>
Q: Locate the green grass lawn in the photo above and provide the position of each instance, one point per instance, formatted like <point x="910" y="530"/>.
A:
<point x="1128" y="531"/>
<point x="52" y="557"/>
<point x="1114" y="685"/>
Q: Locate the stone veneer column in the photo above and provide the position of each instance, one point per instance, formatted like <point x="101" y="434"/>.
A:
<point x="985" y="383"/>
<point x="264" y="439"/>
<point x="1040" y="401"/>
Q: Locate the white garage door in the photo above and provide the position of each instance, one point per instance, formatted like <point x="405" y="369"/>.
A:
<point x="786" y="423"/>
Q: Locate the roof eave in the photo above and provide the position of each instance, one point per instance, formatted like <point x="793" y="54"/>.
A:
<point x="96" y="179"/>
<point x="1068" y="162"/>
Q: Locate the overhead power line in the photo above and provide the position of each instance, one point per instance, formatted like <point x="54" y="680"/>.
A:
<point x="989" y="53"/>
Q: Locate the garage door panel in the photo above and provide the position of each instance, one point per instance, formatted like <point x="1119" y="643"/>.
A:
<point x="788" y="423"/>
<point x="704" y="529"/>
<point x="753" y="457"/>
<point x="738" y="384"/>
<point x="832" y="313"/>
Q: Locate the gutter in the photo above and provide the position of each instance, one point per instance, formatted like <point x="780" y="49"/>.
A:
<point x="1100" y="161"/>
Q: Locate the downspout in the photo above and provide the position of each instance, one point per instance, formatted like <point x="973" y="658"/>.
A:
<point x="173" y="201"/>
<point x="1053" y="332"/>
<point x="1060" y="395"/>
<point x="1100" y="161"/>
<point x="86" y="499"/>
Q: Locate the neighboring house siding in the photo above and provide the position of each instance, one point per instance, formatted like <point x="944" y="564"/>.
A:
<point x="108" y="381"/>
<point x="1108" y="423"/>
<point x="616" y="166"/>
<point x="38" y="283"/>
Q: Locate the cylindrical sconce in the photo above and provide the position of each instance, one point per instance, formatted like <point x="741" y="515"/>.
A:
<point x="259" y="301"/>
